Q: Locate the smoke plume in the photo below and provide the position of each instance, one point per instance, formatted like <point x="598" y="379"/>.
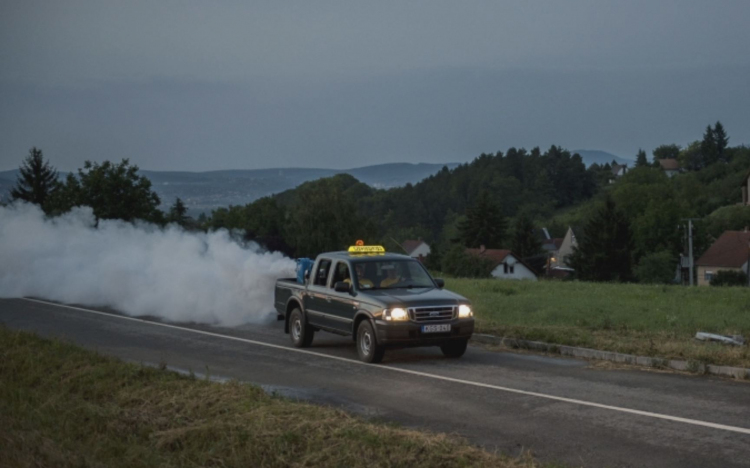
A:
<point x="138" y="269"/>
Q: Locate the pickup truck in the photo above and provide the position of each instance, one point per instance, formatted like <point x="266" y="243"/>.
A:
<point x="381" y="300"/>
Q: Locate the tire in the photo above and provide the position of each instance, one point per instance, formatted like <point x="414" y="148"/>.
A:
<point x="454" y="349"/>
<point x="299" y="331"/>
<point x="368" y="348"/>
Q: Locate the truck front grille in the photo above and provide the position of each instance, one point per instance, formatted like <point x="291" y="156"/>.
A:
<point x="431" y="313"/>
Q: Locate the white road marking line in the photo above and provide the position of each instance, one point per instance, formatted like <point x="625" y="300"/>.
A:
<point x="666" y="417"/>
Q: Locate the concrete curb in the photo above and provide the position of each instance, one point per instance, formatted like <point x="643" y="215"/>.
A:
<point x="586" y="353"/>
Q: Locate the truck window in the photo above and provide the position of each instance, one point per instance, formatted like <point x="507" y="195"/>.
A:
<point x="321" y="275"/>
<point x="341" y="273"/>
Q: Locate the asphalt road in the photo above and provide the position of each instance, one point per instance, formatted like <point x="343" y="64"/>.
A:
<point x="561" y="409"/>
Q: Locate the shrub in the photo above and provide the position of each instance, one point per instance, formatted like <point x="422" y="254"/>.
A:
<point x="458" y="263"/>
<point x="729" y="278"/>
<point x="658" y="267"/>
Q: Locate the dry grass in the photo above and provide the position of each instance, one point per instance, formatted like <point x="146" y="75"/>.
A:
<point x="63" y="406"/>
<point x="658" y="321"/>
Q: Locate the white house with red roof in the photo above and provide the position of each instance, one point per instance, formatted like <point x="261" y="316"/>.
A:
<point x="416" y="248"/>
<point x="731" y="251"/>
<point x="506" y="264"/>
<point x="671" y="167"/>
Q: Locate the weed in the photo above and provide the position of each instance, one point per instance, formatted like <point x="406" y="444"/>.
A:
<point x="696" y="367"/>
<point x="64" y="406"/>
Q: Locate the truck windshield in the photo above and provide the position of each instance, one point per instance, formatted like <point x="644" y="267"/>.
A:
<point x="392" y="274"/>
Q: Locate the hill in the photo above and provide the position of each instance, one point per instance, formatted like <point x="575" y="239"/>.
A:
<point x="204" y="191"/>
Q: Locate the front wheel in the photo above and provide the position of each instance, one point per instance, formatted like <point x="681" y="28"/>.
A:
<point x="454" y="349"/>
<point x="368" y="348"/>
<point x="300" y="332"/>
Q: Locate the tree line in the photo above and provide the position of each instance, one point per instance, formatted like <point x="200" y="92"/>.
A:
<point x="629" y="230"/>
<point x="112" y="190"/>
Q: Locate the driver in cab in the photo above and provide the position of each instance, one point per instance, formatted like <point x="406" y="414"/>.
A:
<point x="364" y="283"/>
<point x="392" y="277"/>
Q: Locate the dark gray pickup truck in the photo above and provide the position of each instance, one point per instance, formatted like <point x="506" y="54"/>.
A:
<point x="381" y="300"/>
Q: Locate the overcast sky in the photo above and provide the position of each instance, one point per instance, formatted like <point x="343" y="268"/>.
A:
<point x="198" y="85"/>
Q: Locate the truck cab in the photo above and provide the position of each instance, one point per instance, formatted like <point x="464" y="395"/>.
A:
<point x="382" y="300"/>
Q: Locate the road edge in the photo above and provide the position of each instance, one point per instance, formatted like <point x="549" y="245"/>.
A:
<point x="694" y="367"/>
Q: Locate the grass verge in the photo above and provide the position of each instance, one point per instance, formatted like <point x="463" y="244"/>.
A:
<point x="64" y="406"/>
<point x="648" y="320"/>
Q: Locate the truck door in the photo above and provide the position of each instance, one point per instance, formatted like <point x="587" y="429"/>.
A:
<point x="315" y="299"/>
<point x="341" y="306"/>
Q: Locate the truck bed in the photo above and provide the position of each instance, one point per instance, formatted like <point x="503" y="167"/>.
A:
<point x="283" y="290"/>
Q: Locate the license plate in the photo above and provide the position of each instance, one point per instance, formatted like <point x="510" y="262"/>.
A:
<point x="442" y="328"/>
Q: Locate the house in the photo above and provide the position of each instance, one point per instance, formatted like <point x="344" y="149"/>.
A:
<point x="671" y="167"/>
<point x="618" y="170"/>
<point x="731" y="251"/>
<point x="505" y="264"/>
<point x="746" y="189"/>
<point x="565" y="250"/>
<point x="418" y="249"/>
<point x="552" y="246"/>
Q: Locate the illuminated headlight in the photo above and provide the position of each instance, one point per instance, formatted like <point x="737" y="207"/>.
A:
<point x="398" y="314"/>
<point x="464" y="311"/>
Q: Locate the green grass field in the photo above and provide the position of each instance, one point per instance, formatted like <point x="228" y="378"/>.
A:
<point x="63" y="406"/>
<point x="649" y="320"/>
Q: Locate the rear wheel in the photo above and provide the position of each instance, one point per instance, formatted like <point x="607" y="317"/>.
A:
<point x="300" y="332"/>
<point x="454" y="349"/>
<point x="368" y="348"/>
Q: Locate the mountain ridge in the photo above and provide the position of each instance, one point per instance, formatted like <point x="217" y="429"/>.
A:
<point x="203" y="191"/>
<point x="601" y="157"/>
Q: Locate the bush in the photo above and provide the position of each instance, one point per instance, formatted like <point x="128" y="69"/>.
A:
<point x="458" y="263"/>
<point x="729" y="278"/>
<point x="658" y="267"/>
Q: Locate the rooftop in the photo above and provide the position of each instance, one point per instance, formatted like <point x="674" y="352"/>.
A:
<point x="669" y="164"/>
<point x="410" y="245"/>
<point x="496" y="255"/>
<point x="731" y="250"/>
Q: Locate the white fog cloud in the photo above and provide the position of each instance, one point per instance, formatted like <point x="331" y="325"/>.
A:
<point x="136" y="269"/>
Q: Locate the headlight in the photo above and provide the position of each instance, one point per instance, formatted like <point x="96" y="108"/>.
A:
<point x="464" y="311"/>
<point x="398" y="314"/>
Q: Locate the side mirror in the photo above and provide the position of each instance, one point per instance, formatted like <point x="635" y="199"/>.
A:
<point x="440" y="283"/>
<point x="342" y="286"/>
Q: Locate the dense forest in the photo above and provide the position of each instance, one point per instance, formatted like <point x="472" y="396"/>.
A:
<point x="498" y="200"/>
<point x="553" y="189"/>
<point x="533" y="183"/>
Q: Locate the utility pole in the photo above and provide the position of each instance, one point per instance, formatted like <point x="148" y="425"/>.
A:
<point x="691" y="261"/>
<point x="690" y="249"/>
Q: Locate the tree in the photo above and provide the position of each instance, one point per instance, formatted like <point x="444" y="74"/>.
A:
<point x="722" y="140"/>
<point x="178" y="213"/>
<point x="641" y="160"/>
<point x="37" y="180"/>
<point x="265" y="223"/>
<point x="434" y="261"/>
<point x="326" y="217"/>
<point x="658" y="267"/>
<point x="458" y="262"/>
<point x="484" y="224"/>
<point x="604" y="247"/>
<point x="709" y="148"/>
<point x="524" y="241"/>
<point x="691" y="158"/>
<point x="666" y="152"/>
<point x="113" y="191"/>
